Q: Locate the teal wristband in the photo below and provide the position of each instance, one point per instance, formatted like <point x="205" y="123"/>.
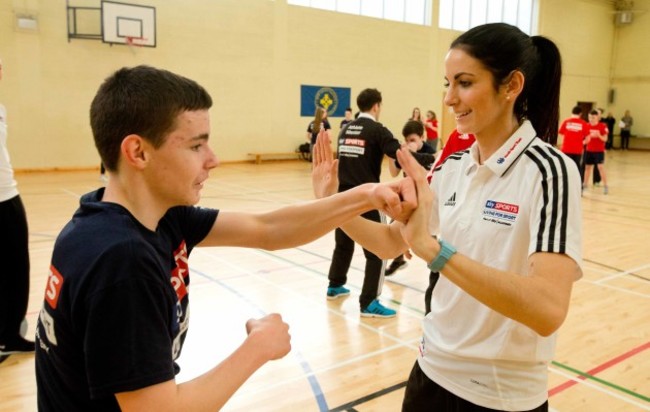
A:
<point x="446" y="251"/>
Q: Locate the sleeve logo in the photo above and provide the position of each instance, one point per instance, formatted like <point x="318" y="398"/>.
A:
<point x="53" y="287"/>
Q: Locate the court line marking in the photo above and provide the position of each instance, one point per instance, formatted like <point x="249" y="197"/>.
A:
<point x="608" y="364"/>
<point x="358" y="269"/>
<point x="592" y="372"/>
<point x="599" y="389"/>
<point x="617" y="288"/>
<point x="330" y="368"/>
<point x="304" y="365"/>
<point x="372" y="396"/>
<point x="419" y="313"/>
<point x="354" y="319"/>
<point x="623" y="273"/>
<point x="311" y="375"/>
<point x="616" y="360"/>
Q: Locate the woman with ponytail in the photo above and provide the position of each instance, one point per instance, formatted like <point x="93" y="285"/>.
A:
<point x="500" y="221"/>
<point x="507" y="220"/>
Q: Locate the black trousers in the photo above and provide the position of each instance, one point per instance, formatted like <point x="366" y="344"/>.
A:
<point x="424" y="395"/>
<point x="342" y="257"/>
<point x="625" y="139"/>
<point x="577" y="158"/>
<point x="14" y="271"/>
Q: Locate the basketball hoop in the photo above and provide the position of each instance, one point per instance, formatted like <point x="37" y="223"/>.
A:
<point x="133" y="42"/>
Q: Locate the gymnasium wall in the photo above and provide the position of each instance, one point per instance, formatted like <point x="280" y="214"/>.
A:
<point x="631" y="75"/>
<point x="599" y="56"/>
<point x="253" y="55"/>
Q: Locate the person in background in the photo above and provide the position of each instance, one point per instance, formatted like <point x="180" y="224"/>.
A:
<point x="361" y="150"/>
<point x="431" y="126"/>
<point x="416" y="115"/>
<point x="14" y="254"/>
<point x="626" y="129"/>
<point x="610" y="121"/>
<point x="312" y="128"/>
<point x="348" y="117"/>
<point x="595" y="153"/>
<point x="413" y="133"/>
<point x="574" y="130"/>
<point x="596" y="172"/>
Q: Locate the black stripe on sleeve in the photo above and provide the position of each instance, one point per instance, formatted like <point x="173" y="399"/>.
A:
<point x="554" y="196"/>
<point x="565" y="200"/>
<point x="558" y="198"/>
<point x="542" y="220"/>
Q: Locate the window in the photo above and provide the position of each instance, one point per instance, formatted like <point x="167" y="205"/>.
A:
<point x="407" y="11"/>
<point x="462" y="15"/>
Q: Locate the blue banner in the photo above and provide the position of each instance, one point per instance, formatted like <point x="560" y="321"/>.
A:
<point x="333" y="99"/>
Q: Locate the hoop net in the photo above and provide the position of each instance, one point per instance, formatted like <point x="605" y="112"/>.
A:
<point x="135" y="41"/>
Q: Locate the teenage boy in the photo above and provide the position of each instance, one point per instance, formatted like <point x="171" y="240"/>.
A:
<point x="115" y="313"/>
<point x="595" y="153"/>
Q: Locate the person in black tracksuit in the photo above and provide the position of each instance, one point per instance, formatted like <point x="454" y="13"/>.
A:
<point x="362" y="145"/>
<point x="14" y="255"/>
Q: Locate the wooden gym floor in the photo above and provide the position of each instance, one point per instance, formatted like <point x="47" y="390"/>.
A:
<point x="340" y="361"/>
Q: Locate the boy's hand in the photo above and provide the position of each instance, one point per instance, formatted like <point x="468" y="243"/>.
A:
<point x="271" y="335"/>
<point x="396" y="199"/>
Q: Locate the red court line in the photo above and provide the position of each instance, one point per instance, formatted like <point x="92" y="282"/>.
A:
<point x="600" y="368"/>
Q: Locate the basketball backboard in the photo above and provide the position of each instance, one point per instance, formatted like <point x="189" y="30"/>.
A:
<point x="129" y="24"/>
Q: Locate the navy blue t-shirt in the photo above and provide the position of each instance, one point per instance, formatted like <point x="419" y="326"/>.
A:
<point x="115" y="313"/>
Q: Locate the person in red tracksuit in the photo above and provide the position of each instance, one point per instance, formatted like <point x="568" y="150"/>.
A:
<point x="574" y="130"/>
<point x="595" y="154"/>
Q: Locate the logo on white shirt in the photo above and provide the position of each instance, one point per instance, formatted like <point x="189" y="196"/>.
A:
<point x="451" y="201"/>
<point x="500" y="212"/>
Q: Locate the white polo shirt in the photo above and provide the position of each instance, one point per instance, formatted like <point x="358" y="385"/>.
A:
<point x="524" y="199"/>
<point x="8" y="188"/>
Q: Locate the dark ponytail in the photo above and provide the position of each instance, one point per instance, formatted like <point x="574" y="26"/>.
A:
<point x="545" y="89"/>
<point x="503" y="48"/>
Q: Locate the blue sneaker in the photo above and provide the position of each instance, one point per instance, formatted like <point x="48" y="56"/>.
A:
<point x="337" y="292"/>
<point x="377" y="310"/>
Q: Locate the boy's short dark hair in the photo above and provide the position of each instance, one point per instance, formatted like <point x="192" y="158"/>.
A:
<point x="368" y="98"/>
<point x="413" y="126"/>
<point x="576" y="110"/>
<point x="141" y="100"/>
<point x="594" y="112"/>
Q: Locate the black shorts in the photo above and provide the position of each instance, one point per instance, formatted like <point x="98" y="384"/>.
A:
<point x="594" y="158"/>
<point x="423" y="394"/>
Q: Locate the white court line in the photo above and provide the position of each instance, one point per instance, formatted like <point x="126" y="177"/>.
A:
<point x="620" y="274"/>
<point x="71" y="193"/>
<point x="400" y="343"/>
<point x="356" y="320"/>
<point x="269" y="254"/>
<point x="623" y="290"/>
<point x="599" y="388"/>
<point x="322" y="370"/>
